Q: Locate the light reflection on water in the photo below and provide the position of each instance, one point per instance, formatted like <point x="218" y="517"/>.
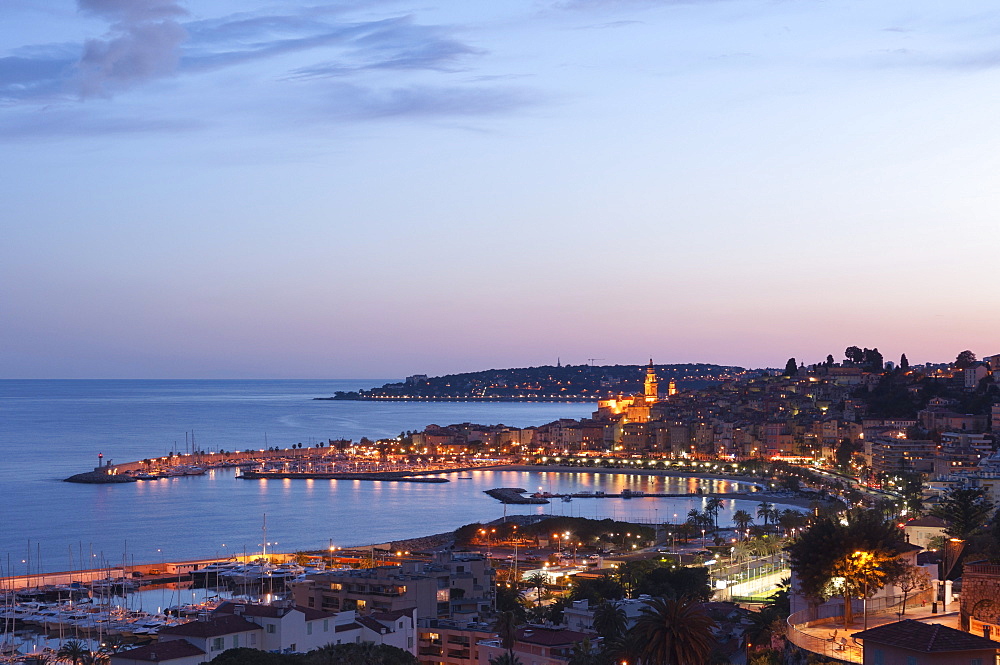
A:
<point x="52" y="429"/>
<point x="218" y="515"/>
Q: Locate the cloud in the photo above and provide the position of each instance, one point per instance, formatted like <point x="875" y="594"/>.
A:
<point x="334" y="60"/>
<point x="78" y="120"/>
<point x="352" y="102"/>
<point x="395" y="43"/>
<point x="133" y="11"/>
<point x="37" y="77"/>
<point x="617" y="4"/>
<point x="143" y="43"/>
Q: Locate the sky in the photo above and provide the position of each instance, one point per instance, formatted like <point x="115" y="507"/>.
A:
<point x="381" y="188"/>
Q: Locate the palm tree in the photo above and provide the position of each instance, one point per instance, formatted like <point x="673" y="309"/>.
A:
<point x="95" y="658"/>
<point x="712" y="507"/>
<point x="610" y="621"/>
<point x="765" y="510"/>
<point x="675" y="632"/>
<point x="537" y="581"/>
<point x="742" y="519"/>
<point x="506" y="629"/>
<point x="626" y="648"/>
<point x="584" y="653"/>
<point x="506" y="659"/>
<point x="73" y="650"/>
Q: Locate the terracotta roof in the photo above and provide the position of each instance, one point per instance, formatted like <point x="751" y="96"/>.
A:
<point x="216" y="625"/>
<point x="373" y="625"/>
<point x="161" y="651"/>
<point x="929" y="520"/>
<point x="392" y="616"/>
<point x="345" y="627"/>
<point x="926" y="637"/>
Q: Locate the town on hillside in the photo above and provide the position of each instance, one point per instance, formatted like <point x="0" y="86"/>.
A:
<point x="874" y="538"/>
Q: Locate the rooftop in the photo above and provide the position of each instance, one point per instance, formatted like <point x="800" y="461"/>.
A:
<point x="214" y="626"/>
<point x="926" y="637"/>
<point x="157" y="652"/>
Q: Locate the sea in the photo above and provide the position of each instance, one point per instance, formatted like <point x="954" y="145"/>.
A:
<point x="52" y="429"/>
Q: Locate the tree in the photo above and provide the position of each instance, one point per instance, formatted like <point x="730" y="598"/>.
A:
<point x="693" y="582"/>
<point x="95" y="658"/>
<point x="789" y="519"/>
<point x="506" y="659"/>
<point x="627" y="648"/>
<point x="845" y="453"/>
<point x="597" y="590"/>
<point x="352" y="653"/>
<point x="965" y="509"/>
<point x="675" y="631"/>
<point x="860" y="574"/>
<point x="584" y="653"/>
<point x="791" y="367"/>
<point x="506" y="630"/>
<point x="610" y="621"/>
<point x="854" y="354"/>
<point x="827" y="557"/>
<point x="829" y="360"/>
<point x="537" y="581"/>
<point x="765" y="510"/>
<point x="904" y="364"/>
<point x="742" y="519"/>
<point x="74" y="651"/>
<point x="712" y="507"/>
<point x="909" y="579"/>
<point x="965" y="359"/>
<point x="873" y="360"/>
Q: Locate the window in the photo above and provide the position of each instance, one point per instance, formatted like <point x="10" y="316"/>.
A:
<point x="236" y="641"/>
<point x="253" y="639"/>
<point x="217" y="644"/>
<point x="270" y="628"/>
<point x="309" y="628"/>
<point x="911" y="660"/>
<point x="976" y="661"/>
<point x="879" y="658"/>
<point x="326" y="625"/>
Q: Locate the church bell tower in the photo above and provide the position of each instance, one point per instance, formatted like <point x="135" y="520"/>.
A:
<point x="650" y="388"/>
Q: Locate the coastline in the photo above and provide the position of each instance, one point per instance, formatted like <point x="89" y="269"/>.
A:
<point x="760" y="495"/>
<point x="627" y="472"/>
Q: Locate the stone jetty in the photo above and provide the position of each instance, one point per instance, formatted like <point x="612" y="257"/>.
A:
<point x="513" y="495"/>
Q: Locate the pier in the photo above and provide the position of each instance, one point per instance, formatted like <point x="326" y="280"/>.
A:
<point x="513" y="495"/>
<point x="389" y="476"/>
<point x="320" y="463"/>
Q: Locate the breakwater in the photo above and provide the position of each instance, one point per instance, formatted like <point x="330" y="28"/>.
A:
<point x="391" y="476"/>
<point x="514" y="496"/>
<point x="296" y="463"/>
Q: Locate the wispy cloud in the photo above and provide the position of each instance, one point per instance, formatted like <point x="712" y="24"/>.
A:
<point x="143" y="43"/>
<point x="336" y="61"/>
<point x="347" y="101"/>
<point x="73" y="121"/>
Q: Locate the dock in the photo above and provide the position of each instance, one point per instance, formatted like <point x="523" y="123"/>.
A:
<point x="513" y="495"/>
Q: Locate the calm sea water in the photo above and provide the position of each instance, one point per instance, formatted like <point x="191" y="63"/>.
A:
<point x="52" y="429"/>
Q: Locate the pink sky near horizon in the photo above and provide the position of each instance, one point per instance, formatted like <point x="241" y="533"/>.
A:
<point x="382" y="189"/>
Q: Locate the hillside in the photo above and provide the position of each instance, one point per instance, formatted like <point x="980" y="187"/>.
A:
<point x="546" y="383"/>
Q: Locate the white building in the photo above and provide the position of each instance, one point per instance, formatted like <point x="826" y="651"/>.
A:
<point x="579" y="615"/>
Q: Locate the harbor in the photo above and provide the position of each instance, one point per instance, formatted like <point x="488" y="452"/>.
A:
<point x="319" y="463"/>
